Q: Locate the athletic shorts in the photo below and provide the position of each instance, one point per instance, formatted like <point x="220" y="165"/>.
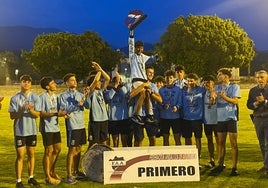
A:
<point x="175" y="124"/>
<point x="98" y="131"/>
<point x="25" y="141"/>
<point x="192" y="126"/>
<point x="137" y="131"/>
<point x="227" y="126"/>
<point x="151" y="129"/>
<point x="51" y="138"/>
<point x="119" y="127"/>
<point x="210" y="128"/>
<point x="76" y="137"/>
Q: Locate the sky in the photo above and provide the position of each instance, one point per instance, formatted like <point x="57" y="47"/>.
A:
<point x="106" y="17"/>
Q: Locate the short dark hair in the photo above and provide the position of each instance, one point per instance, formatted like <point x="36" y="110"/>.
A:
<point x="26" y="77"/>
<point x="192" y="76"/>
<point x="226" y="71"/>
<point x="149" y="67"/>
<point x="159" y="79"/>
<point x="179" y="67"/>
<point x="139" y="43"/>
<point x="67" y="76"/>
<point x="208" y="78"/>
<point x="45" y="81"/>
<point x="170" y="73"/>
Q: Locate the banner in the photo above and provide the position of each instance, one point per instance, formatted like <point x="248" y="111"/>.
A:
<point x="151" y="164"/>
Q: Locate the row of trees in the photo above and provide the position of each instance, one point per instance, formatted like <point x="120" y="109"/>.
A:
<point x="201" y="43"/>
<point x="60" y="53"/>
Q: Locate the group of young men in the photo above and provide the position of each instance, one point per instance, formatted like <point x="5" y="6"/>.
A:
<point x="25" y="107"/>
<point x="173" y="101"/>
<point x="187" y="105"/>
<point x="184" y="106"/>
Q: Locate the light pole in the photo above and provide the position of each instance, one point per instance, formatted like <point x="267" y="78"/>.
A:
<point x="3" y="67"/>
<point x="16" y="73"/>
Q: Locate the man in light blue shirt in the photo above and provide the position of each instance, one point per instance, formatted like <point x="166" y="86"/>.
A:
<point x="50" y="129"/>
<point x="24" y="108"/>
<point x="98" y="125"/>
<point x="72" y="108"/>
<point x="138" y="61"/>
<point x="227" y="101"/>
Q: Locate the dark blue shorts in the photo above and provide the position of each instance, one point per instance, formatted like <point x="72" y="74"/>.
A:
<point x="51" y="138"/>
<point x="98" y="131"/>
<point x="175" y="124"/>
<point x="25" y="141"/>
<point x="192" y="126"/>
<point x="227" y="126"/>
<point x="76" y="137"/>
<point x="119" y="127"/>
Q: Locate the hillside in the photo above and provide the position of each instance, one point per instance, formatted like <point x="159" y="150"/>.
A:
<point x="20" y="37"/>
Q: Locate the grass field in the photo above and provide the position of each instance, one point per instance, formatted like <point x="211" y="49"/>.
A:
<point x="249" y="155"/>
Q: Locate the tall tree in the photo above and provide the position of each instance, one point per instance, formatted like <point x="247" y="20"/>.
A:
<point x="205" y="43"/>
<point x="59" y="53"/>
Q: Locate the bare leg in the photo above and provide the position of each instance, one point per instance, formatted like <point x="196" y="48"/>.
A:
<point x="19" y="161"/>
<point x="233" y="141"/>
<point x="165" y="139"/>
<point x="222" y="145"/>
<point x="31" y="160"/>
<point x="177" y="138"/>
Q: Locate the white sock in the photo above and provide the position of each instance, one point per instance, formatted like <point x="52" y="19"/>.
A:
<point x="18" y="180"/>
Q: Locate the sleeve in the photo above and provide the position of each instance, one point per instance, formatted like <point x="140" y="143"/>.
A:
<point x="179" y="101"/>
<point x="87" y="103"/>
<point x="250" y="100"/>
<point x="131" y="47"/>
<point x="13" y="107"/>
<point x="42" y="102"/>
<point x="37" y="102"/>
<point x="236" y="91"/>
<point x="109" y="94"/>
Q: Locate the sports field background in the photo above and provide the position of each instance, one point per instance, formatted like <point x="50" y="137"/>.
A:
<point x="249" y="154"/>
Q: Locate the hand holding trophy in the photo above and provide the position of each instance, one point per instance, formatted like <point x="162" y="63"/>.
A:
<point x="134" y="18"/>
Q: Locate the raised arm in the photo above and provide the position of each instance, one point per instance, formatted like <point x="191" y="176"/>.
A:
<point x="102" y="73"/>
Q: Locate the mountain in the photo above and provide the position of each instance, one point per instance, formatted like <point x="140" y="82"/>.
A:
<point x="16" y="38"/>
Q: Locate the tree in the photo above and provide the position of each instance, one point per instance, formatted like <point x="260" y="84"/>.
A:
<point x="203" y="44"/>
<point x="9" y="62"/>
<point x="59" y="53"/>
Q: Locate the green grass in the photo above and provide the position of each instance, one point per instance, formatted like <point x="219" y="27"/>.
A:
<point x="249" y="155"/>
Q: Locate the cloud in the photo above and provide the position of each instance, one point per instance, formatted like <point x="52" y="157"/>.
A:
<point x="251" y="15"/>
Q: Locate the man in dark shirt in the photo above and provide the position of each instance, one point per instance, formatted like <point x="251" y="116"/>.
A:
<point x="257" y="101"/>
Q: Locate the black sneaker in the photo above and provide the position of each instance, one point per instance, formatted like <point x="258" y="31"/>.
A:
<point x="150" y="119"/>
<point x="137" y="119"/>
<point x="217" y="170"/>
<point x="19" y="185"/>
<point x="79" y="175"/>
<point x="33" y="182"/>
<point x="234" y="172"/>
